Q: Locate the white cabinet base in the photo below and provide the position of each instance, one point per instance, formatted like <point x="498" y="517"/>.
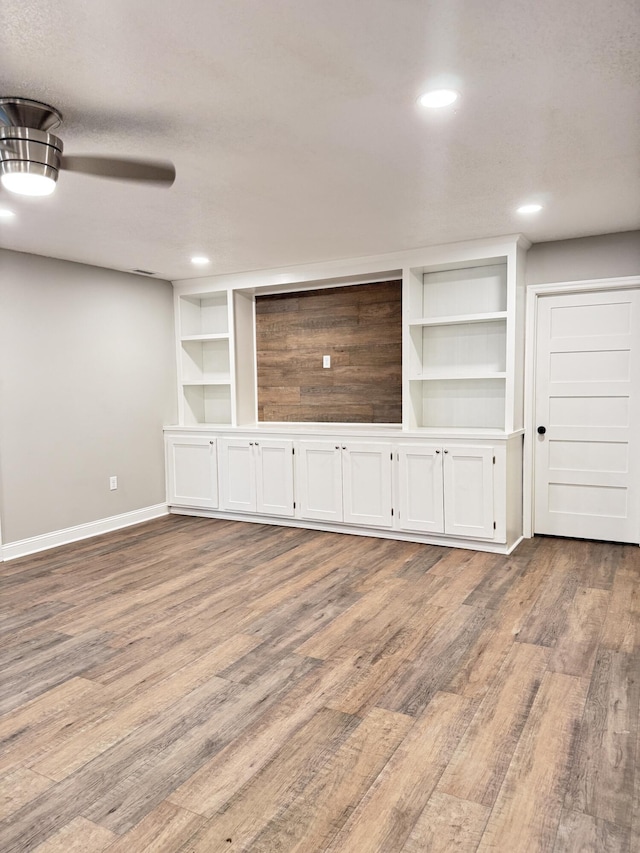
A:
<point x="454" y="493"/>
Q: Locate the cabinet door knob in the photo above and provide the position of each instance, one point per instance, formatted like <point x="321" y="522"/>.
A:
<point x="437" y="451"/>
<point x="211" y="442"/>
<point x="542" y="430"/>
<point x="250" y="444"/>
<point x="337" y="447"/>
<point x="257" y="443"/>
<point x="343" y="447"/>
<point x="446" y="451"/>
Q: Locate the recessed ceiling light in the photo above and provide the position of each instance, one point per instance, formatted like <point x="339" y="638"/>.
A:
<point x="525" y="209"/>
<point x="438" y="98"/>
<point x="6" y="214"/>
<point x="200" y="260"/>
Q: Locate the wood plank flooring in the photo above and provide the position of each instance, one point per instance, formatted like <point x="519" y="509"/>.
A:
<point x="193" y="685"/>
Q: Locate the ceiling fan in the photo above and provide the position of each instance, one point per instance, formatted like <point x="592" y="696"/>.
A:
<point x="31" y="157"/>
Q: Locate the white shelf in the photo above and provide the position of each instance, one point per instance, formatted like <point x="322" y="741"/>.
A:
<point x="437" y="375"/>
<point x="459" y="319"/>
<point x="222" y="336"/>
<point x="188" y="382"/>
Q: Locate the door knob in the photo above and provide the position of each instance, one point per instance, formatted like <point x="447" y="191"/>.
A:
<point x="542" y="430"/>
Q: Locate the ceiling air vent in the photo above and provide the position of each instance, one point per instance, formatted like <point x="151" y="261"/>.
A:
<point x="143" y="272"/>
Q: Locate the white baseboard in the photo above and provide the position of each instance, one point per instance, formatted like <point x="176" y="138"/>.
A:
<point x="351" y="530"/>
<point x="12" y="550"/>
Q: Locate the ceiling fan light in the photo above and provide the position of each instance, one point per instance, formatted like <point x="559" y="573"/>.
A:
<point x="28" y="182"/>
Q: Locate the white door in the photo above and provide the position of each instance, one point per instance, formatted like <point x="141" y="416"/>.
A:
<point x="468" y="491"/>
<point x="274" y="477"/>
<point x="366" y="476"/>
<point x="237" y="475"/>
<point x="192" y="472"/>
<point x="319" y="480"/>
<point x="421" y="488"/>
<point x="587" y="448"/>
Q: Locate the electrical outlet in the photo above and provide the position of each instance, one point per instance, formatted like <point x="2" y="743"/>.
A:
<point x="113" y="483"/>
<point x="326" y="361"/>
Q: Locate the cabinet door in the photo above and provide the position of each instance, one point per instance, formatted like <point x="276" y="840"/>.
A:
<point x="366" y="471"/>
<point x="237" y="475"/>
<point x="274" y="477"/>
<point x="319" y="480"/>
<point x="192" y="471"/>
<point x="468" y="491"/>
<point x="421" y="488"/>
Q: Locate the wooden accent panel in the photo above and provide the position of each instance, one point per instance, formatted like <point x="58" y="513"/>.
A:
<point x="360" y="327"/>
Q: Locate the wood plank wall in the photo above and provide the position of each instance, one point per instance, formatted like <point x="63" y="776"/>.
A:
<point x="359" y="326"/>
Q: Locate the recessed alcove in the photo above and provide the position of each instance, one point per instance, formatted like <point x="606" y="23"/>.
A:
<point x="359" y="327"/>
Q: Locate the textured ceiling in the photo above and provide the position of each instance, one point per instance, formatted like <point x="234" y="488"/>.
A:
<point x="294" y="128"/>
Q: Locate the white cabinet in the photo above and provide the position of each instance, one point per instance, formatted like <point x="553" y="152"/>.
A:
<point x="421" y="488"/>
<point x="237" y="475"/>
<point x="348" y="482"/>
<point x="366" y="481"/>
<point x="257" y="476"/>
<point x="319" y="480"/>
<point x="192" y="471"/>
<point x="447" y="489"/>
<point x="468" y="492"/>
<point x="274" y="477"/>
<point x="438" y="491"/>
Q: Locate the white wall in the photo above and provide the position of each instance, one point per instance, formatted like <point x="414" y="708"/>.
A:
<point x="87" y="381"/>
<point x="604" y="256"/>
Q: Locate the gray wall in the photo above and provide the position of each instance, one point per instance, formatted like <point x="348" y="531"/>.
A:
<point x="604" y="256"/>
<point x="87" y="380"/>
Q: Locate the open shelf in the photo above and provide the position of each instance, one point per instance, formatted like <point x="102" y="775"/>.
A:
<point x="459" y="348"/>
<point x="207" y="404"/>
<point x="459" y="403"/>
<point x="455" y="292"/>
<point x="205" y="360"/>
<point x="204" y="315"/>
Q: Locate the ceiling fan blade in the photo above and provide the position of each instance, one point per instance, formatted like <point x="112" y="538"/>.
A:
<point x="121" y="168"/>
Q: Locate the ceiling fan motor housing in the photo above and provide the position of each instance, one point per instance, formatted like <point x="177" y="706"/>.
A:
<point x="31" y="156"/>
<point x="25" y="143"/>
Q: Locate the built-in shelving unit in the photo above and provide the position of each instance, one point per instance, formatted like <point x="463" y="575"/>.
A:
<point x="458" y="323"/>
<point x="205" y="358"/>
<point x="463" y="335"/>
<point x="451" y="473"/>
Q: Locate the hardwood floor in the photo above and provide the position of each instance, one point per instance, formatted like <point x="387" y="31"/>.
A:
<point x="192" y="686"/>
